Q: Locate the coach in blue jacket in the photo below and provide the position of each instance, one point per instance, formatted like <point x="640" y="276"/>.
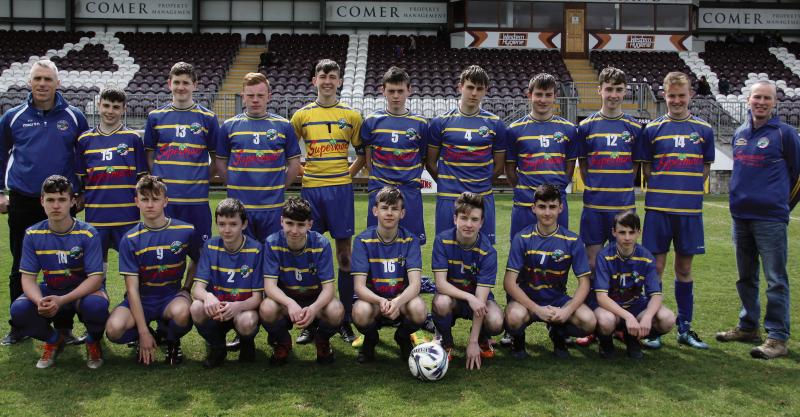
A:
<point x="764" y="189"/>
<point x="37" y="139"/>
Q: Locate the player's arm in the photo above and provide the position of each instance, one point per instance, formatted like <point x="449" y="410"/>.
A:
<point x="578" y="297"/>
<point x="276" y="294"/>
<point x="570" y="170"/>
<point x="292" y="170"/>
<point x="363" y="292"/>
<point x="221" y="164"/>
<point x="210" y="302"/>
<point x="511" y="173"/>
<point x="646" y="322"/>
<point x="431" y="161"/>
<point x="516" y="293"/>
<point x="607" y="303"/>
<point x="231" y="309"/>
<point x="30" y="288"/>
<point x="473" y="349"/>
<point x="583" y="169"/>
<point x="323" y="299"/>
<point x="89" y="285"/>
<point x="147" y="345"/>
<point x="368" y="158"/>
<point x="706" y="171"/>
<point x="414" y="277"/>
<point x="499" y="159"/>
<point x="191" y="269"/>
<point x="357" y="165"/>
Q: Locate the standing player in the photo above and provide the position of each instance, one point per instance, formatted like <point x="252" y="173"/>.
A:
<point x="178" y="138"/>
<point x="258" y="154"/>
<point x="298" y="280"/>
<point x="67" y="252"/>
<point x="387" y="269"/>
<point x="395" y="142"/>
<point x="328" y="128"/>
<point x="228" y="285"/>
<point x="152" y="259"/>
<point x="536" y="277"/>
<point x="464" y="264"/>
<point x="110" y="157"/>
<point x="678" y="150"/>
<point x="466" y="151"/>
<point x="628" y="290"/>
<point x="542" y="149"/>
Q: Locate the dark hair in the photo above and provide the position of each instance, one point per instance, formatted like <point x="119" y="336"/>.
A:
<point x="390" y="195"/>
<point x="296" y="208"/>
<point x="547" y="192"/>
<point x="468" y="201"/>
<point x="396" y="75"/>
<point x="611" y="75"/>
<point x="183" y="68"/>
<point x="543" y="81"/>
<point x="151" y="185"/>
<point x="114" y="95"/>
<point x="56" y="184"/>
<point x="474" y="74"/>
<point x="327" y="65"/>
<point x="628" y="218"/>
<point x="230" y="207"/>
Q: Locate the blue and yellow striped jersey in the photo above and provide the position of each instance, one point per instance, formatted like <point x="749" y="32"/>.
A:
<point x="109" y="164"/>
<point x="626" y="280"/>
<point x="386" y="265"/>
<point x="540" y="150"/>
<point x="609" y="150"/>
<point x="328" y="133"/>
<point x="543" y="262"/>
<point x="181" y="140"/>
<point x="398" y="144"/>
<point x="466" y="145"/>
<point x="65" y="259"/>
<point x="677" y="151"/>
<point x="157" y="256"/>
<point x="300" y="274"/>
<point x="231" y="276"/>
<point x="467" y="268"/>
<point x="257" y="151"/>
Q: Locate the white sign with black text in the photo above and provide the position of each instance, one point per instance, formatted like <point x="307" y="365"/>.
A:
<point x="762" y="19"/>
<point x="139" y="9"/>
<point x="385" y="12"/>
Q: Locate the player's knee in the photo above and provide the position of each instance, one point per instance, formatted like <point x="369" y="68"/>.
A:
<point x="334" y="312"/>
<point x="665" y="320"/>
<point x="416" y="310"/>
<point x="362" y="313"/>
<point x="493" y="323"/>
<point x="441" y="304"/>
<point x="585" y="319"/>
<point x="197" y="312"/>
<point x="268" y="311"/>
<point x="179" y="313"/>
<point x="515" y="316"/>
<point x="115" y="327"/>
<point x="606" y="322"/>
<point x="22" y="310"/>
<point x="247" y="323"/>
<point x="94" y="308"/>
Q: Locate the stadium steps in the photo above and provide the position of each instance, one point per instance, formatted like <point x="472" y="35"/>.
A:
<point x="246" y="61"/>
<point x="585" y="78"/>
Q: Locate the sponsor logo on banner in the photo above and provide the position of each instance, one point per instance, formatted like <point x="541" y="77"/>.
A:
<point x="512" y="39"/>
<point x="141" y="9"/>
<point x="640" y="42"/>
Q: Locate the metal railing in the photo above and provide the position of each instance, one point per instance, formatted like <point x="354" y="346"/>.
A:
<point x="639" y="94"/>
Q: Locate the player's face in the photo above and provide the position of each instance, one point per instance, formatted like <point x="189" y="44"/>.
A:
<point x="542" y="102"/>
<point x="678" y="98"/>
<point x="761" y="101"/>
<point x="327" y="83"/>
<point x="626" y="237"/>
<point x="57" y="205"/>
<point x="44" y="83"/>
<point x="151" y="206"/>
<point x="611" y="95"/>
<point x="471" y="94"/>
<point x="547" y="212"/>
<point x="256" y="98"/>
<point x="182" y="87"/>
<point x="111" y="111"/>
<point x="396" y="95"/>
<point x="295" y="231"/>
<point x="230" y="228"/>
<point x="389" y="215"/>
<point x="468" y="224"/>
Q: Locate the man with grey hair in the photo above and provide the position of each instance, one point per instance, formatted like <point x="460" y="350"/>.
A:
<point x="37" y="139"/>
<point x="766" y="152"/>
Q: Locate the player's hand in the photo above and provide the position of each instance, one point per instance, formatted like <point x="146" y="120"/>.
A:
<point x="309" y="313"/>
<point x="230" y="310"/>
<point x="543" y="314"/>
<point x="3" y="204"/>
<point x="295" y="312"/>
<point x="384" y="306"/>
<point x="394" y="310"/>
<point x="478" y="307"/>
<point x="211" y="306"/>
<point x="48" y="306"/>
<point x="633" y="326"/>
<point x="147" y="348"/>
<point x="645" y="325"/>
<point x="559" y="315"/>
<point x="473" y="355"/>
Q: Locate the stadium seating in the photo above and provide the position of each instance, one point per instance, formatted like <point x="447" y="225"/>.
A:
<point x="741" y="63"/>
<point x="642" y="67"/>
<point x="20" y="45"/>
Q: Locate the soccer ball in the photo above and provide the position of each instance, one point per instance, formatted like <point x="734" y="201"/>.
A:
<point x="428" y="362"/>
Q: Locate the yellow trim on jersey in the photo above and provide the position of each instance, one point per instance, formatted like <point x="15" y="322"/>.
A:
<point x="541" y="172"/>
<point x="665" y="191"/>
<point x="160" y="284"/>
<point x="174" y="227"/>
<point x="262" y="206"/>
<point x="467" y="164"/>
<point x="379" y="165"/>
<point x="459" y="114"/>
<point x="673" y="209"/>
<point x="556" y="235"/>
<point x="669" y="120"/>
<point x="795" y="190"/>
<point x="682" y="174"/>
<point x="257" y="169"/>
<point x="635" y="258"/>
<point x="188" y="164"/>
<point x="609" y="153"/>
<point x="610" y="171"/>
<point x="400" y="150"/>
<point x="161" y="127"/>
<point x="105" y="149"/>
<point x="152" y="267"/>
<point x="47" y="232"/>
<point x="109" y="187"/>
<point x="598" y="207"/>
<point x="103" y="168"/>
<point x="255" y="188"/>
<point x="285" y="249"/>
<point x="256" y="151"/>
<point x="152" y="248"/>
<point x="467" y="147"/>
<point x="483" y="194"/>
<point x="170" y="181"/>
<point x="243" y="250"/>
<point x="248" y="132"/>
<point x="621" y="119"/>
<point x="474" y="249"/>
<point x="453" y="177"/>
<point x="188" y="200"/>
<point x="538" y="154"/>
<point x="382" y="259"/>
<point x="551" y="120"/>
<point x="192" y="109"/>
<point x="109" y="205"/>
<point x="677" y="154"/>
<point x="222" y="269"/>
<point x="609" y="190"/>
<point x="666" y="137"/>
<point x="397" y="240"/>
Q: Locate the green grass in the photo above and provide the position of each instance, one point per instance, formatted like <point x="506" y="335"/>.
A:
<point x="673" y="381"/>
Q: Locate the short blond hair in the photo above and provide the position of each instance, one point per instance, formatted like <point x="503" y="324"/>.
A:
<point x="254" y="78"/>
<point x="676" y="78"/>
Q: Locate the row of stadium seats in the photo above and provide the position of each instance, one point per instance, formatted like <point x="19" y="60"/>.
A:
<point x="642" y="67"/>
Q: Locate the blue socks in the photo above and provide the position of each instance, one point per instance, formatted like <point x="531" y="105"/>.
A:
<point x="346" y="293"/>
<point x="684" y="297"/>
<point x="444" y="324"/>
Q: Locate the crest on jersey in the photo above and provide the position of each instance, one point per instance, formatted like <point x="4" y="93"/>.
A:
<point x="342" y="123"/>
<point x="402" y="262"/>
<point x="740" y="142"/>
<point x="62" y="125"/>
<point x="272" y="134"/>
<point x="627" y="137"/>
<point x="75" y="252"/>
<point x="109" y="169"/>
<point x="195" y="127"/>
<point x="559" y="137"/>
<point x="483" y="131"/>
<point x="122" y="149"/>
<point x="182" y="146"/>
<point x="635" y="275"/>
<point x="312" y="268"/>
<point x="234" y="291"/>
<point x="682" y="157"/>
<point x="762" y="143"/>
<point x="412" y="134"/>
<point x="614" y="155"/>
<point x="245" y="271"/>
<point x="546" y="156"/>
<point x="695" y="138"/>
<point x="558" y="255"/>
<point x="176" y="247"/>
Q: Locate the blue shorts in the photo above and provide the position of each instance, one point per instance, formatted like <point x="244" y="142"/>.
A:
<point x="522" y="217"/>
<point x="414" y="220"/>
<point x="153" y="307"/>
<point x="332" y="209"/>
<point x="445" y="210"/>
<point x="636" y="308"/>
<point x="596" y="226"/>
<point x="111" y="236"/>
<point x="262" y="223"/>
<point x="662" y="228"/>
<point x="462" y="310"/>
<point x="198" y="215"/>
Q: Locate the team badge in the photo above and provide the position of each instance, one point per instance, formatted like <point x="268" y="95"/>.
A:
<point x="332" y="141"/>
<point x="259" y="153"/>
<point x="162" y="268"/>
<point x="109" y="169"/>
<point x="234" y="291"/>
<point x="182" y="146"/>
<point x="695" y="138"/>
<point x="635" y="275"/>
<point x="412" y="134"/>
<point x="626" y="137"/>
<point x="558" y="255"/>
<point x="401" y="262"/>
<point x="122" y="149"/>
<point x="483" y="131"/>
<point x="62" y="125"/>
<point x="559" y="137"/>
<point x="75" y="252"/>
<point x="195" y="127"/>
<point x="614" y="155"/>
<point x="546" y="156"/>
<point x="762" y="143"/>
<point x="682" y="157"/>
<point x="176" y="247"/>
<point x="740" y="142"/>
<point x="272" y="134"/>
<point x="342" y="123"/>
<point x="205" y="237"/>
<point x="245" y="270"/>
<point x="312" y="268"/>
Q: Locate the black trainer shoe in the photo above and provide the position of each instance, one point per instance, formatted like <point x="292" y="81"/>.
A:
<point x="234" y="344"/>
<point x="306" y="336"/>
<point x="507" y="340"/>
<point x="174" y="353"/>
<point x="518" y="348"/>
<point x="366" y="354"/>
<point x="559" y="345"/>
<point x="429" y="325"/>
<point x="13" y="337"/>
<point x="606" y="349"/>
<point x="70" y="339"/>
<point x="633" y="347"/>
<point x="346" y="332"/>
<point x="405" y="345"/>
<point x="215" y="357"/>
<point x="247" y="350"/>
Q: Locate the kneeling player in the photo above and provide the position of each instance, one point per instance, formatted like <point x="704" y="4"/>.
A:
<point x="228" y="285"/>
<point x="298" y="280"/>
<point x="68" y="252"/>
<point x="387" y="268"/>
<point x="624" y="270"/>
<point x="536" y="277"/>
<point x="152" y="258"/>
<point x="464" y="265"/>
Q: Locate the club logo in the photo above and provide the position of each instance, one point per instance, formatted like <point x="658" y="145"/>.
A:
<point x="234" y="291"/>
<point x="682" y="157"/>
<point x="635" y="275"/>
<point x="412" y="134"/>
<point x="182" y="146"/>
<point x="195" y="127"/>
<point x="76" y="252"/>
<point x="176" y="247"/>
<point x="762" y="143"/>
<point x="558" y="255"/>
<point x="62" y="125"/>
<point x="546" y="156"/>
<point x="259" y="153"/>
<point x="272" y="134"/>
<point x="109" y="169"/>
<point x="342" y="123"/>
<point x="245" y="271"/>
<point x="122" y="149"/>
<point x="483" y="131"/>
<point x="614" y="155"/>
<point x="312" y="268"/>
<point x="740" y="142"/>
<point x="695" y="138"/>
<point x="627" y="137"/>
<point x="559" y="137"/>
<point x="205" y="237"/>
